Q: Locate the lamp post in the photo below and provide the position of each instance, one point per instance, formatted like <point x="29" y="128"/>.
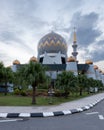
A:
<point x="50" y="92"/>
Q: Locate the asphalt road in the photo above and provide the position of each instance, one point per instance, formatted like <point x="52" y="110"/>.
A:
<point x="92" y="119"/>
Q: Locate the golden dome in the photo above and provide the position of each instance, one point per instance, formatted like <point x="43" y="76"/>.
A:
<point x="16" y="62"/>
<point x="34" y="59"/>
<point x="95" y="67"/>
<point x="88" y="62"/>
<point x="71" y="59"/>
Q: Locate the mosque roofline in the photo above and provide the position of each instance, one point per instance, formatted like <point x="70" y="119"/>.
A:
<point x="55" y="67"/>
<point x="82" y="67"/>
<point x="59" y="67"/>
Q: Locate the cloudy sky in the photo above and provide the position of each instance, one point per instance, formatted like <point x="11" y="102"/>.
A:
<point x="24" y="22"/>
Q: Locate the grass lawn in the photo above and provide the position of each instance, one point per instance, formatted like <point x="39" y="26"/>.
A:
<point x="12" y="100"/>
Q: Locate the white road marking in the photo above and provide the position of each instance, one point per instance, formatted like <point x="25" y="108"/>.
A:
<point x="79" y="109"/>
<point x="10" y="120"/>
<point x="87" y="107"/>
<point x="92" y="113"/>
<point x="3" y="115"/>
<point x="66" y="112"/>
<point x="101" y="117"/>
<point x="24" y="115"/>
<point x="46" y="114"/>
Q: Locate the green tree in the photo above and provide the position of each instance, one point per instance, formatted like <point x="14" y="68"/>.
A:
<point x="90" y="85"/>
<point x="1" y="71"/>
<point x="5" y="76"/>
<point x="33" y="74"/>
<point x="100" y="85"/>
<point x="66" y="81"/>
<point x="18" y="80"/>
<point x="82" y="83"/>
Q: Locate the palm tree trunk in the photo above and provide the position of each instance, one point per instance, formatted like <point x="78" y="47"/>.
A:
<point x="5" y="93"/>
<point x="34" y="95"/>
<point x="80" y="92"/>
<point x="88" y="91"/>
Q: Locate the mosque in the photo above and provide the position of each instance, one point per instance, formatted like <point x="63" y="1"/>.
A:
<point x="52" y="52"/>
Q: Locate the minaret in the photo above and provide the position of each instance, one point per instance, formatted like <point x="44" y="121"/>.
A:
<point x="74" y="53"/>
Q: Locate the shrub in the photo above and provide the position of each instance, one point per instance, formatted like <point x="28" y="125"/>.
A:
<point x="23" y="93"/>
<point x="57" y="93"/>
<point x="17" y="91"/>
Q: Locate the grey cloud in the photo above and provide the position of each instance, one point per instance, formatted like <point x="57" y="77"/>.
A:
<point x="98" y="53"/>
<point x="87" y="36"/>
<point x="18" y="18"/>
<point x="86" y="28"/>
<point x="68" y="5"/>
<point x="3" y="57"/>
<point x="20" y="13"/>
<point x="9" y="36"/>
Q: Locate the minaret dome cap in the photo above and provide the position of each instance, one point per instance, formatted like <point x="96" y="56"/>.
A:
<point x="88" y="62"/>
<point x="33" y="59"/>
<point x="95" y="67"/>
<point x="16" y="62"/>
<point x="71" y="59"/>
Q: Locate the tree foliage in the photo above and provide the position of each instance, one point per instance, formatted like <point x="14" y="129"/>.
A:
<point x="32" y="74"/>
<point x="6" y="76"/>
<point x="66" y="81"/>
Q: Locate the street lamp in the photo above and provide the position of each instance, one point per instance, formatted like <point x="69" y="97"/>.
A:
<point x="50" y="92"/>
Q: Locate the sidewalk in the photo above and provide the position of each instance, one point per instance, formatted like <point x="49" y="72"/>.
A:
<point x="62" y="109"/>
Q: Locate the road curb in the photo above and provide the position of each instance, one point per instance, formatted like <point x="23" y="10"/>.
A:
<point x="50" y="114"/>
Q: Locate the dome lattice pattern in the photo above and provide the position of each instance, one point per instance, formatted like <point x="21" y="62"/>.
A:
<point x="52" y="43"/>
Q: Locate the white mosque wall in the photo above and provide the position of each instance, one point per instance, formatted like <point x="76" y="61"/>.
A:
<point x="97" y="75"/>
<point x="53" y="74"/>
<point x="14" y="68"/>
<point x="91" y="72"/>
<point x="52" y="59"/>
<point x="103" y="78"/>
<point x="72" y="66"/>
<point x="100" y="75"/>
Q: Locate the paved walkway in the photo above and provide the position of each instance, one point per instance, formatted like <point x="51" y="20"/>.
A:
<point x="84" y="103"/>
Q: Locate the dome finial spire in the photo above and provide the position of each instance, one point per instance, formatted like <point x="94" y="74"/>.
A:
<point x="74" y="53"/>
<point x="74" y="36"/>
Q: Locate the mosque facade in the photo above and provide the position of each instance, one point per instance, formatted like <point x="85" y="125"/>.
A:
<point x="52" y="52"/>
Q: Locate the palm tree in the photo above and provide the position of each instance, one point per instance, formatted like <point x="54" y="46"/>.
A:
<point x="1" y="69"/>
<point x="5" y="75"/>
<point x="100" y="85"/>
<point x="91" y="85"/>
<point x="18" y="79"/>
<point x="82" y="83"/>
<point x="33" y="74"/>
<point x="66" y="81"/>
